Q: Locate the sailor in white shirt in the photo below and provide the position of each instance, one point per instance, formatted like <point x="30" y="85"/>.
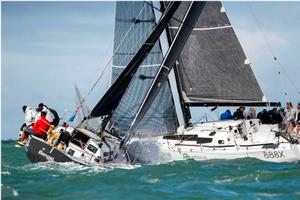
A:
<point x="290" y="115"/>
<point x="29" y="116"/>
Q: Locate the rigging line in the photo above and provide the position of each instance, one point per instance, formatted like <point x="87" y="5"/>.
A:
<point x="272" y="51"/>
<point x="268" y="46"/>
<point x="106" y="55"/>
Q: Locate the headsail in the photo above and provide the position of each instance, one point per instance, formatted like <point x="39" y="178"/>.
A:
<point x="161" y="117"/>
<point x="212" y="66"/>
<point x="190" y="18"/>
<point x="111" y="98"/>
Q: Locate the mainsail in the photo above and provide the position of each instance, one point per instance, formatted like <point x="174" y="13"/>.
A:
<point x="212" y="67"/>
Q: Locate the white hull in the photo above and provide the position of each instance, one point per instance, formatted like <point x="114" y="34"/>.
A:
<point x="253" y="141"/>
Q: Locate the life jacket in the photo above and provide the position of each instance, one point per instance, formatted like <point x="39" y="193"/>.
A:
<point x="51" y="116"/>
<point x="41" y="126"/>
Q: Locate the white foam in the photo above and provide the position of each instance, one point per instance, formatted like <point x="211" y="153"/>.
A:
<point x="237" y="179"/>
<point x="15" y="192"/>
<point x="5" y="173"/>
<point x="71" y="167"/>
<point x="229" y="180"/>
<point x="148" y="151"/>
<point x="153" y="180"/>
<point x="268" y="194"/>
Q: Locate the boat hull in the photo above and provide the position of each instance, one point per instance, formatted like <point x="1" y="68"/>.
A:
<point x="39" y="151"/>
<point x="218" y="140"/>
<point x="159" y="150"/>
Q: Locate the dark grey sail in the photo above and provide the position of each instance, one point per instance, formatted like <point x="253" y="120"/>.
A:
<point x="137" y="20"/>
<point x="212" y="66"/>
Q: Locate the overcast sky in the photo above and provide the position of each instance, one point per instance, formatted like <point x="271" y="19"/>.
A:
<point x="49" y="46"/>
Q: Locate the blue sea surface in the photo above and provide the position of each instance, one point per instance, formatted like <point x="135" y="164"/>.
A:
<point x="189" y="179"/>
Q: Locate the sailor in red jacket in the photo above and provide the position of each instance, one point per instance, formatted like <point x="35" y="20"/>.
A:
<point x="39" y="129"/>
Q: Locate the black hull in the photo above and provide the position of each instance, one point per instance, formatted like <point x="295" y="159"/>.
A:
<point x="39" y="151"/>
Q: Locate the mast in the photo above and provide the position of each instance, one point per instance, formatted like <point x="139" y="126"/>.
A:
<point x="182" y="35"/>
<point x="184" y="108"/>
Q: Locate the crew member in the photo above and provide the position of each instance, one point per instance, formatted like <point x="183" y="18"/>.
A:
<point x="226" y="115"/>
<point x="29" y="120"/>
<point x="39" y="129"/>
<point x="251" y="114"/>
<point x="264" y="117"/>
<point x="239" y="113"/>
<point x="51" y="116"/>
<point x="290" y="115"/>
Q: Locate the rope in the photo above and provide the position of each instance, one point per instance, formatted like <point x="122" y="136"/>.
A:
<point x="280" y="65"/>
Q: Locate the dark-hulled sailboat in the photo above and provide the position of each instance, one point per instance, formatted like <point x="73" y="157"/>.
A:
<point x="86" y="147"/>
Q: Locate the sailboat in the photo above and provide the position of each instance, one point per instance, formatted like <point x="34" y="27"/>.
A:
<point x="210" y="69"/>
<point x="92" y="148"/>
<point x="82" y="144"/>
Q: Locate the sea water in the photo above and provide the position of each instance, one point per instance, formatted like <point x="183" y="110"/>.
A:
<point x="189" y="179"/>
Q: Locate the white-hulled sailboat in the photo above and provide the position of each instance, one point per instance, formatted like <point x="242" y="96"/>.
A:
<point x="209" y="69"/>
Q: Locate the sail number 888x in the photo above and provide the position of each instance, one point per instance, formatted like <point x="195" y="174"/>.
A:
<point x="273" y="154"/>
